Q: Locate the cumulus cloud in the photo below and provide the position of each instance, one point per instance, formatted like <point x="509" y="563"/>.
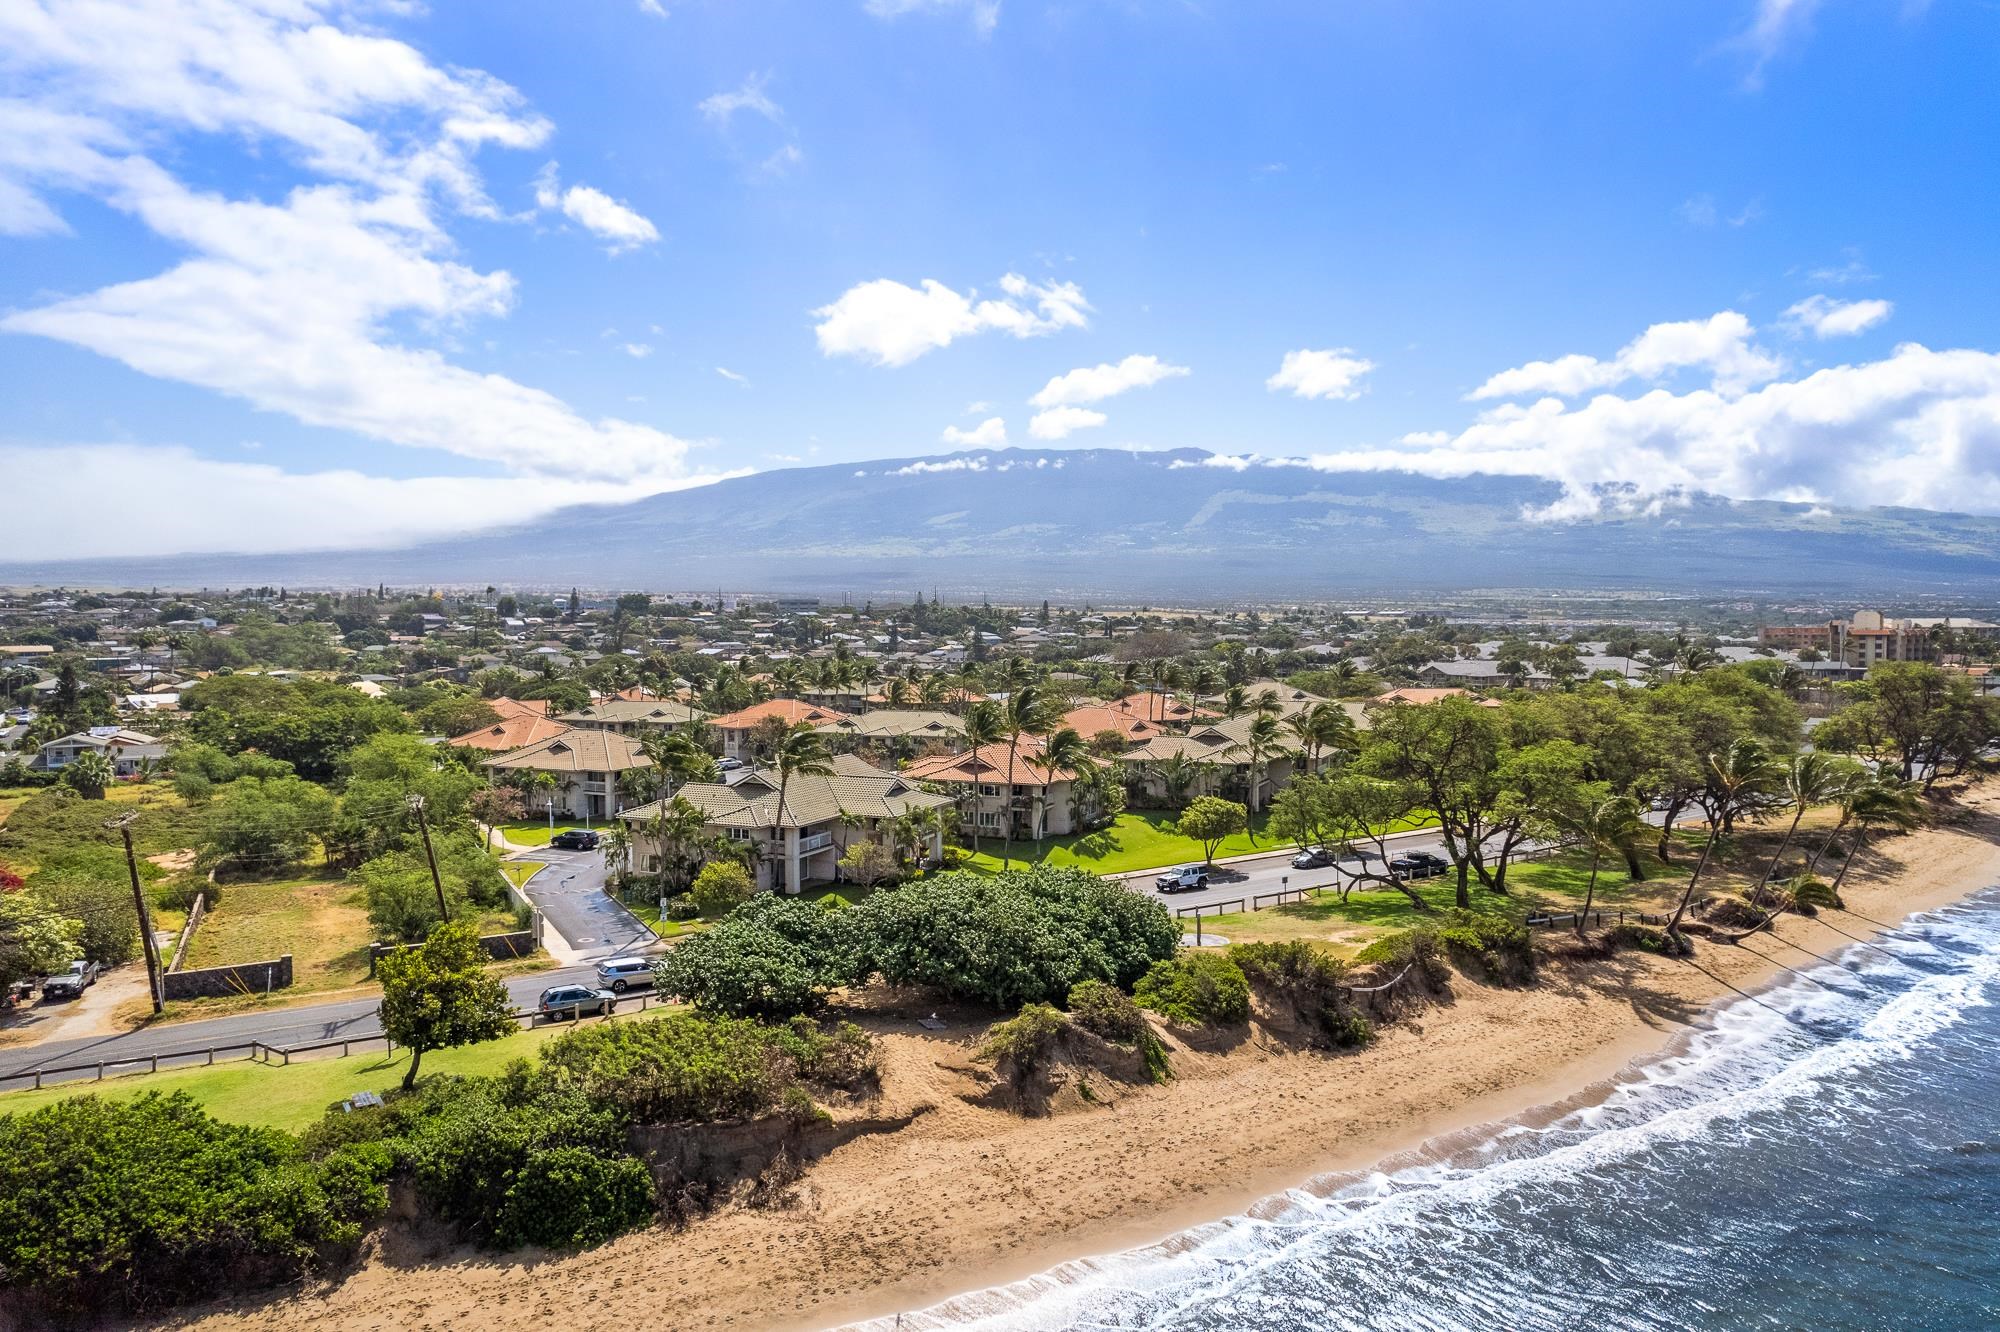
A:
<point x="611" y="220"/>
<point x="1920" y="428"/>
<point x="638" y="351"/>
<point x="722" y="107"/>
<point x="990" y="433"/>
<point x="269" y="510"/>
<point x="890" y="323"/>
<point x="985" y="14"/>
<point x="1061" y="422"/>
<point x="318" y="303"/>
<point x="1720" y="344"/>
<point x="1824" y="317"/>
<point x="1098" y="382"/>
<point x="1335" y="373"/>
<point x="963" y="464"/>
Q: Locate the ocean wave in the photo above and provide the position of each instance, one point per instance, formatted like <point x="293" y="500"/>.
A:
<point x="1435" y="1239"/>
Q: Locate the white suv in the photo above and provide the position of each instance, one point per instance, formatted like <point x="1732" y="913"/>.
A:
<point x="619" y="974"/>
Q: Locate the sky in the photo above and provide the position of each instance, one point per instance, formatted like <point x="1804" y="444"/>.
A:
<point x="304" y="274"/>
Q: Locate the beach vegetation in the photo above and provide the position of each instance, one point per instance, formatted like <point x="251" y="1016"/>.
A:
<point x="1196" y="988"/>
<point x="1310" y="981"/>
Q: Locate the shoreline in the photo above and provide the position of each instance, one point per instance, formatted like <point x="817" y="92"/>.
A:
<point x="966" y="1199"/>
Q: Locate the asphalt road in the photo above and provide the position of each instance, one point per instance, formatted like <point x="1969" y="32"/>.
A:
<point x="570" y="895"/>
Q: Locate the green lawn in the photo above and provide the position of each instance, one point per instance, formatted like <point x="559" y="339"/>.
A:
<point x="531" y="832"/>
<point x="1556" y="884"/>
<point x="518" y="872"/>
<point x="292" y="1096"/>
<point x="1137" y="841"/>
<point x="649" y="915"/>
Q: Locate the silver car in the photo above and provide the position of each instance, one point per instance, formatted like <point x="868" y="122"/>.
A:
<point x="573" y="1001"/>
<point x="619" y="974"/>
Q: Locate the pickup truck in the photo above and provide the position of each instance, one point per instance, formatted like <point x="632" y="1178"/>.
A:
<point x="72" y="983"/>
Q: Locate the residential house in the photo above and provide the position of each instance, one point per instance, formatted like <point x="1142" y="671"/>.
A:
<point x="1093" y="720"/>
<point x="1480" y="673"/>
<point x="586" y="766"/>
<point x="126" y="750"/>
<point x="520" y="724"/>
<point x="902" y="732"/>
<point x="632" y="716"/>
<point x="801" y="841"/>
<point x="737" y="728"/>
<point x="999" y="795"/>
<point x="1227" y="769"/>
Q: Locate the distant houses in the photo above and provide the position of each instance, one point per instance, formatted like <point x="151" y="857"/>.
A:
<point x="585" y="766"/>
<point x="127" y="750"/>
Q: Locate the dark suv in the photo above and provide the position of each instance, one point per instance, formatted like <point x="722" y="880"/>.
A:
<point x="575" y="839"/>
<point x="1418" y="865"/>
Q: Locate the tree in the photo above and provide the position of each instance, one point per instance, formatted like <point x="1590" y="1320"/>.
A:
<point x="1262" y="741"/>
<point x="1321" y="729"/>
<point x="983" y="725"/>
<point x="1810" y="779"/>
<point x="1177" y="775"/>
<point x="264" y="823"/>
<point x="36" y="939"/>
<point x="680" y="830"/>
<point x="438" y="995"/>
<point x="89" y="885"/>
<point x="1209" y="820"/>
<point x="402" y="899"/>
<point x="1027" y="712"/>
<point x="1065" y="750"/>
<point x="89" y="774"/>
<point x="1883" y="803"/>
<point x="1537" y="782"/>
<point x="867" y="863"/>
<point x="800" y="752"/>
<point x="495" y="805"/>
<point x="772" y="957"/>
<point x="721" y="887"/>
<point x="1736" y="776"/>
<point x="1450" y="751"/>
<point x="1607" y="825"/>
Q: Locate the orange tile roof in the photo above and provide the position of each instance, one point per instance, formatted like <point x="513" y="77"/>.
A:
<point x="988" y="763"/>
<point x="521" y="723"/>
<point x="1091" y="719"/>
<point x="790" y="710"/>
<point x="1420" y="695"/>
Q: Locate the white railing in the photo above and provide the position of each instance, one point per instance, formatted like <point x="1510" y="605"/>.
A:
<point x="818" y="841"/>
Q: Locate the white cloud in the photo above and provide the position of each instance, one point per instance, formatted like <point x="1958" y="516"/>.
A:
<point x="1824" y="317"/>
<point x="653" y="7"/>
<point x="1061" y="422"/>
<point x="323" y="301"/>
<point x="269" y="510"/>
<point x="1098" y="382"/>
<point x="985" y="14"/>
<point x="1335" y="373"/>
<point x="979" y="408"/>
<point x="1720" y="344"/>
<point x="977" y="464"/>
<point x="890" y="323"/>
<point x="1774" y="24"/>
<point x="596" y="212"/>
<point x="638" y="351"/>
<point x="731" y="375"/>
<point x="990" y="433"/>
<point x="1701" y="211"/>
<point x="722" y="107"/>
<point x="1920" y="428"/>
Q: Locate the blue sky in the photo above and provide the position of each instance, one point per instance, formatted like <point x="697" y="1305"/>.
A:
<point x="294" y="273"/>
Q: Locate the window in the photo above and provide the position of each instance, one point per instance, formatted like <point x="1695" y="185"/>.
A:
<point x="738" y="834"/>
<point x="989" y="818"/>
<point x="987" y="788"/>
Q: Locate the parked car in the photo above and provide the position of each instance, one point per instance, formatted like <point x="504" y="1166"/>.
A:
<point x="728" y="764"/>
<point x="619" y="974"/>
<point x="573" y="1001"/>
<point x="72" y="983"/>
<point x="1418" y="865"/>
<point x="1314" y="857"/>
<point x="1186" y="879"/>
<point x="575" y="839"/>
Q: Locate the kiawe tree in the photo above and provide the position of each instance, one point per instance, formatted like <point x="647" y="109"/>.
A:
<point x="438" y="995"/>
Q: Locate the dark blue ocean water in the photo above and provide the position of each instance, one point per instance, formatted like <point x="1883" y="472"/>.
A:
<point x="1825" y="1155"/>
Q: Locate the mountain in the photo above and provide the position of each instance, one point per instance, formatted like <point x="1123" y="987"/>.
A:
<point x="1066" y="524"/>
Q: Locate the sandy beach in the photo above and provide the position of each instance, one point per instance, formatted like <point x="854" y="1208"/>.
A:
<point x="966" y="1197"/>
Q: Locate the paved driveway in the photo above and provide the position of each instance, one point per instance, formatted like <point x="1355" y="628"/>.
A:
<point x="570" y="895"/>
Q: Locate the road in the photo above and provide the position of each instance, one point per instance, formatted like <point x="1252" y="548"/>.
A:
<point x="570" y="895"/>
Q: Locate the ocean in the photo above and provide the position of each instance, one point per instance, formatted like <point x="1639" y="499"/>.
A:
<point x="1823" y="1155"/>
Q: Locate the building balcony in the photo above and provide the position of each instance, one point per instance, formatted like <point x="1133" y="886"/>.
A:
<point x="812" y="842"/>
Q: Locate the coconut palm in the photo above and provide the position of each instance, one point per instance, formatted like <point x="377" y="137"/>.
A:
<point x="799" y="752"/>
<point x="1321" y="729"/>
<point x="1886" y="802"/>
<point x="1177" y="775"/>
<point x="983" y="725"/>
<point x="1026" y="712"/>
<point x="1065" y="750"/>
<point x="1263" y="741"/>
<point x="678" y="755"/>
<point x="1235" y="700"/>
<point x="1736" y="776"/>
<point x="1611" y="826"/>
<point x="896" y="693"/>
<point x="1810" y="779"/>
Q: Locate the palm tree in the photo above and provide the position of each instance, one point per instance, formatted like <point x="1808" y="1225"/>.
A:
<point x="1735" y="775"/>
<point x="1323" y="728"/>
<point x="89" y="774"/>
<point x="897" y="692"/>
<point x="1202" y="681"/>
<point x="1611" y="826"/>
<point x="1262" y="742"/>
<point x="1177" y="774"/>
<point x="1064" y="751"/>
<point x="1266" y="703"/>
<point x="1235" y="700"/>
<point x="1026" y="713"/>
<point x="678" y="755"/>
<point x="799" y="752"/>
<point x="1887" y="802"/>
<point x="1811" y="779"/>
<point x="618" y="851"/>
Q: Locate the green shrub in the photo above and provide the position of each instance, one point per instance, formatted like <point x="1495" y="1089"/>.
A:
<point x="127" y="1205"/>
<point x="1497" y="946"/>
<point x="1196" y="989"/>
<point x="1645" y="939"/>
<point x="562" y="1197"/>
<point x="178" y="891"/>
<point x="1024" y="1045"/>
<point x="1312" y="981"/>
<point x="101" y="901"/>
<point x="682" y="907"/>
<point x="722" y="885"/>
<point x="1014" y="938"/>
<point x="1405" y="947"/>
<point x="773" y="957"/>
<point x="1111" y="1014"/>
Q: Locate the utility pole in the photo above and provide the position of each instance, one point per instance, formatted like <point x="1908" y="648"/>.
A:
<point x="153" y="987"/>
<point x="424" y="827"/>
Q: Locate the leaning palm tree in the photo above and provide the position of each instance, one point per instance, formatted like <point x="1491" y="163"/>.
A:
<point x="1810" y="779"/>
<point x="1735" y="776"/>
<point x="1065" y="750"/>
<point x="1887" y="802"/>
<point x="799" y="752"/>
<point x="1612" y="826"/>
<point x="1235" y="700"/>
